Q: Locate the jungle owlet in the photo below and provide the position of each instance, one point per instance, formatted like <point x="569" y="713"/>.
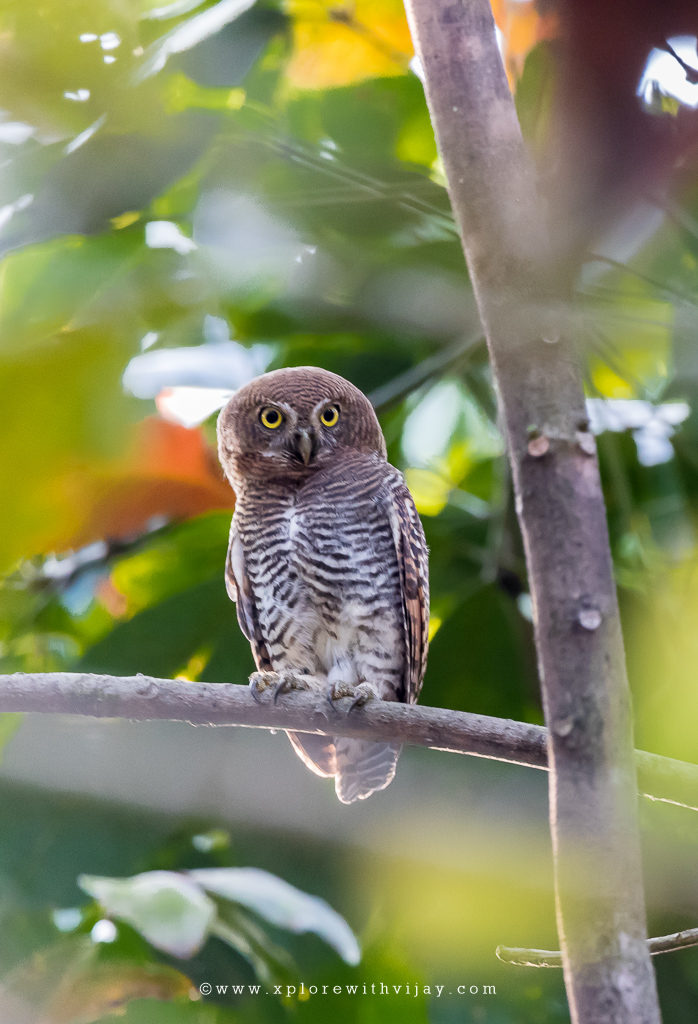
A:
<point x="327" y="558"/>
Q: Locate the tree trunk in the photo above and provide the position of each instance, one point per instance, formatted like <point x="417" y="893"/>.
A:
<point x="593" y="806"/>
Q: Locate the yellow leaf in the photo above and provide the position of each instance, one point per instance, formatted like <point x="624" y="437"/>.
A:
<point x="609" y="384"/>
<point x="183" y="94"/>
<point x="107" y="989"/>
<point x="343" y="42"/>
<point x="662" y="644"/>
<point x="125" y="220"/>
<point x="195" y="666"/>
<point x="434" y="626"/>
<point x="429" y="490"/>
<point x="67" y="984"/>
<point x="641" y="336"/>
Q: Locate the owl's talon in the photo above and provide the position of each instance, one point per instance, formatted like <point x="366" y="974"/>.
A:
<point x="364" y="693"/>
<point x="335" y="691"/>
<point x="361" y="692"/>
<point x="288" y="681"/>
<point x="261" y="681"/>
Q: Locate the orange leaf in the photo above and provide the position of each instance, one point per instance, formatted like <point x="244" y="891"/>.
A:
<point x="167" y="470"/>
<point x="522" y="26"/>
<point x="339" y="42"/>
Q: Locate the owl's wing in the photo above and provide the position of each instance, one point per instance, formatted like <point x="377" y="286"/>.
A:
<point x="317" y="752"/>
<point x="239" y="588"/>
<point x="413" y="561"/>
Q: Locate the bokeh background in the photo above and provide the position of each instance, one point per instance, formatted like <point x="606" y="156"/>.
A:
<point x="192" y="193"/>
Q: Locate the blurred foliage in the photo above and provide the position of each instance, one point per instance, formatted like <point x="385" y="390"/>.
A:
<point x="176" y="913"/>
<point x="257" y="184"/>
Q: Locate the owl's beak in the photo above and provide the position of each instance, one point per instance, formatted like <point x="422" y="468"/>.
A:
<point x="305" y="443"/>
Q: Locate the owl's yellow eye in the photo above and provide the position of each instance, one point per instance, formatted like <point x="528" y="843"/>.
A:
<point x="329" y="416"/>
<point x="270" y="417"/>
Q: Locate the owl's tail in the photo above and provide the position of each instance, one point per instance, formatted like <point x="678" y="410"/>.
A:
<point x="363" y="767"/>
<point x="360" y="767"/>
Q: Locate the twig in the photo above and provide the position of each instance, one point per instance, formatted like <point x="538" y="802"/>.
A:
<point x="405" y="383"/>
<point x="522" y="957"/>
<point x="689" y="70"/>
<point x="60" y="573"/>
<point x="597" y="257"/>
<point x="143" y="698"/>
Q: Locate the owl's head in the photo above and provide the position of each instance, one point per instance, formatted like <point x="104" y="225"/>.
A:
<point x="292" y="422"/>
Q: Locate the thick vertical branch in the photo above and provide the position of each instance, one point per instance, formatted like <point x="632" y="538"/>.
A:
<point x="599" y="894"/>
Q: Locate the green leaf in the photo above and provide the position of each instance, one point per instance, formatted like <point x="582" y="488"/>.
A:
<point x="282" y="905"/>
<point x="168" y="909"/>
<point x="63" y="409"/>
<point x="118" y="173"/>
<point x="191" y="32"/>
<point x="161" y="639"/>
<point x="172" y="10"/>
<point x="471" y="665"/>
<point x="535" y="94"/>
<point x="174" y="560"/>
<point x="270" y="962"/>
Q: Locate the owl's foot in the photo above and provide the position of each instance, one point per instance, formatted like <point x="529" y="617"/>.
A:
<point x="261" y="681"/>
<point x="288" y="681"/>
<point x="278" y="682"/>
<point x="361" y="692"/>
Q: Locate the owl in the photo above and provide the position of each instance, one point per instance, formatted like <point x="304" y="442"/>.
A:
<point x="327" y="559"/>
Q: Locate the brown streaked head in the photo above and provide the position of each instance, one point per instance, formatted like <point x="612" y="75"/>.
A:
<point x="293" y="421"/>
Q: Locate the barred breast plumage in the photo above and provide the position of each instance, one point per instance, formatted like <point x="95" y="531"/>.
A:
<point x="327" y="559"/>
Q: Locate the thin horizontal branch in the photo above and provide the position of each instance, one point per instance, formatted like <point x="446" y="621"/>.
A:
<point x="405" y="383"/>
<point x="143" y="698"/>
<point x="553" y="958"/>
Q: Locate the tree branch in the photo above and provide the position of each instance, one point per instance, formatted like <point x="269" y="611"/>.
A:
<point x="405" y="383"/>
<point x="522" y="957"/>
<point x="521" y="292"/>
<point x="143" y="698"/>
